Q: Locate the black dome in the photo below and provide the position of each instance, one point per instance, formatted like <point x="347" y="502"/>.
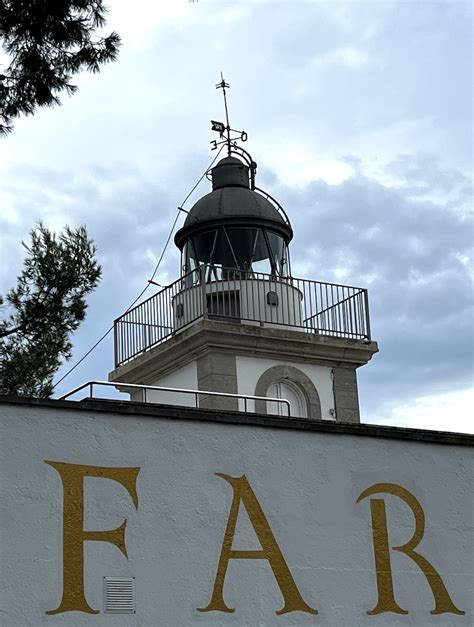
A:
<point x="233" y="203"/>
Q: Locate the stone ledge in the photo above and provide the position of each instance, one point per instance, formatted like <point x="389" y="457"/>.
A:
<point x="204" y="335"/>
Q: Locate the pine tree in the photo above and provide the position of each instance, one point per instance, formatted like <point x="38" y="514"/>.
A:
<point x="47" y="304"/>
<point x="48" y="42"/>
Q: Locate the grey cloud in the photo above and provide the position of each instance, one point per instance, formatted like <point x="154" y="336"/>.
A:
<point x="129" y="218"/>
<point x="420" y="293"/>
<point x="386" y="228"/>
<point x="422" y="173"/>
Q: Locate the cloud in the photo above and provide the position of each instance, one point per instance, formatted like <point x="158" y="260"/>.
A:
<point x="348" y="56"/>
<point x="431" y="412"/>
<point x="412" y="254"/>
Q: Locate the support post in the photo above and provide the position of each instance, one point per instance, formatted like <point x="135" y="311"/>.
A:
<point x="202" y="278"/>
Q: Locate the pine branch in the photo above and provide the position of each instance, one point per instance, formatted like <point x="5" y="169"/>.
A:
<point x="48" y="42"/>
<point x="48" y="304"/>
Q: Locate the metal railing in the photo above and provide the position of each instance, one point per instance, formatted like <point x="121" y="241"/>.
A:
<point x="242" y="296"/>
<point x="199" y="395"/>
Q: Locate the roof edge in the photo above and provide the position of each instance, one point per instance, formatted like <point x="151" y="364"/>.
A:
<point x="175" y="412"/>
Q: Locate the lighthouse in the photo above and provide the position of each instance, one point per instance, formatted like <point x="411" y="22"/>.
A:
<point x="237" y="324"/>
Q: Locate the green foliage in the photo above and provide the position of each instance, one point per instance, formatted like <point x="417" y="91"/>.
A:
<point x="48" y="42"/>
<point x="47" y="304"/>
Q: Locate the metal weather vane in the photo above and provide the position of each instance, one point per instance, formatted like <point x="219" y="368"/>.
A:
<point x="224" y="130"/>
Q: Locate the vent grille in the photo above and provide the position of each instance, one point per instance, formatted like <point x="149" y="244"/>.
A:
<point x="119" y="595"/>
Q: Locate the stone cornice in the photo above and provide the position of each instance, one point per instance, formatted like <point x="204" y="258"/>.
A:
<point x="243" y="339"/>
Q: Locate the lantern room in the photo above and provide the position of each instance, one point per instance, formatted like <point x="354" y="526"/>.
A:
<point x="237" y="229"/>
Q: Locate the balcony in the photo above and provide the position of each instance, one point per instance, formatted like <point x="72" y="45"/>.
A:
<point x="230" y="295"/>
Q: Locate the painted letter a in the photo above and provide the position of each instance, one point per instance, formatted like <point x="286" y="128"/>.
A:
<point x="270" y="551"/>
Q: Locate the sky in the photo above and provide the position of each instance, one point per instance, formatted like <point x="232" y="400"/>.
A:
<point x="360" y="118"/>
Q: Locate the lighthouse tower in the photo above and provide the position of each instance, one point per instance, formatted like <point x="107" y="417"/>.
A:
<point x="237" y="321"/>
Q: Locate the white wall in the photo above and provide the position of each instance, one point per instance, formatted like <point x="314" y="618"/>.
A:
<point x="250" y="369"/>
<point x="307" y="483"/>
<point x="185" y="377"/>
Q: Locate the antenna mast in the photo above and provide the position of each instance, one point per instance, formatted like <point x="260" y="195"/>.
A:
<point x="222" y="85"/>
<point x="224" y="130"/>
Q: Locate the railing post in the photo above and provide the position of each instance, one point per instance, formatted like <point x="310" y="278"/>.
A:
<point x="202" y="278"/>
<point x="115" y="344"/>
<point x="367" y="316"/>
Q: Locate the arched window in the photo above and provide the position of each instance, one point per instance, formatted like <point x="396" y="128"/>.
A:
<point x="285" y="381"/>
<point x="291" y="392"/>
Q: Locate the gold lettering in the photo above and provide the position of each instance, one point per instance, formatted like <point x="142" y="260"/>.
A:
<point x="386" y="598"/>
<point x="270" y="551"/>
<point x="74" y="535"/>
